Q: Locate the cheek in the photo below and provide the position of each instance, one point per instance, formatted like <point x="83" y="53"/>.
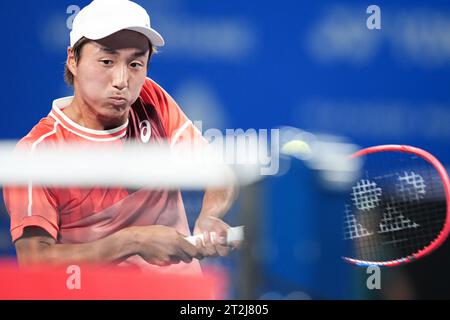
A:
<point x="92" y="82"/>
<point x="135" y="85"/>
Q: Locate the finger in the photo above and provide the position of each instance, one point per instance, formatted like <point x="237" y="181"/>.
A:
<point x="218" y="236"/>
<point x="186" y="259"/>
<point x="175" y="260"/>
<point x="236" y="245"/>
<point x="222" y="239"/>
<point x="206" y="238"/>
<point x="220" y="232"/>
<point x="183" y="256"/>
<point x="187" y="248"/>
<point x="161" y="263"/>
<point x="222" y="250"/>
<point x="201" y="248"/>
<point x="209" y="248"/>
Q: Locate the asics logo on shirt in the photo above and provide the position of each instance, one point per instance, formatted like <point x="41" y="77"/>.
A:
<point x="146" y="131"/>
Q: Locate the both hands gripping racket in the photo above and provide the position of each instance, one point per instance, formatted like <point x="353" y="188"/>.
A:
<point x="399" y="209"/>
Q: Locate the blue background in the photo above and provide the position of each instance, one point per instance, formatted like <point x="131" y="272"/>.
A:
<point x="262" y="64"/>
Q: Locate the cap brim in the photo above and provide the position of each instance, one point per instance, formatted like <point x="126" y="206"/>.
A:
<point x="155" y="38"/>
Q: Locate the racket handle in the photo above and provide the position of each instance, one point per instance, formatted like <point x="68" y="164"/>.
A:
<point x="233" y="234"/>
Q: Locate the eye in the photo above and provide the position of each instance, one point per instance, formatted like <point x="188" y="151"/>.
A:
<point x="106" y="62"/>
<point x="136" y="65"/>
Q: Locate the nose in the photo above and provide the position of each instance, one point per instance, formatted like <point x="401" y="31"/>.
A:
<point x="120" y="77"/>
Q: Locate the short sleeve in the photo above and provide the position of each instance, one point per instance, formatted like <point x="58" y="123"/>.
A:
<point x="31" y="205"/>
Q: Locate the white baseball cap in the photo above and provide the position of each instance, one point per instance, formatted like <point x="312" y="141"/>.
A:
<point x="102" y="18"/>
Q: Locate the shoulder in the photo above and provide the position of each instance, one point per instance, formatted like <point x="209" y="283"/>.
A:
<point x="154" y="94"/>
<point x="151" y="86"/>
<point x="44" y="130"/>
<point x="166" y="107"/>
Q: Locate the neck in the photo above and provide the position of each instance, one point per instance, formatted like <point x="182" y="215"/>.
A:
<point x="80" y="112"/>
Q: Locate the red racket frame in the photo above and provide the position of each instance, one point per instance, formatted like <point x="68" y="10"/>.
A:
<point x="446" y="183"/>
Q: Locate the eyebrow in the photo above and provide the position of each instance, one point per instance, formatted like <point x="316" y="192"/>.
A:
<point x="138" y="53"/>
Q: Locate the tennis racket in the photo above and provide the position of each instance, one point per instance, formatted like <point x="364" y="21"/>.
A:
<point x="399" y="209"/>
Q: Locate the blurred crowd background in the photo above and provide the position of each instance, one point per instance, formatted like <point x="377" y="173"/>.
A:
<point x="312" y="65"/>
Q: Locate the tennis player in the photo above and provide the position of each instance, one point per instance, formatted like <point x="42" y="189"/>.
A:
<point x="111" y="44"/>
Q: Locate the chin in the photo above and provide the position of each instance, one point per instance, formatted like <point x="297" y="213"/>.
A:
<point x="115" y="113"/>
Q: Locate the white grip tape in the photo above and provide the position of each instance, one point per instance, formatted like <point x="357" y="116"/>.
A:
<point x="233" y="234"/>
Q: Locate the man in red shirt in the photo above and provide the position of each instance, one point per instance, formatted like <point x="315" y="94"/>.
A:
<point x="114" y="101"/>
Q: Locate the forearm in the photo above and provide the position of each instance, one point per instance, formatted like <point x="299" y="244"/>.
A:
<point x="114" y="248"/>
<point x="210" y="224"/>
<point x="217" y="202"/>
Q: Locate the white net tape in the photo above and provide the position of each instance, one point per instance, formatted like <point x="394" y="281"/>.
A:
<point x="130" y="165"/>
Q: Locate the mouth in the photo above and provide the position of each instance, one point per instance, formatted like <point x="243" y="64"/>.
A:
<point x="118" y="100"/>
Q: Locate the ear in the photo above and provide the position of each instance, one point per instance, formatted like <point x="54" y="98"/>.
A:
<point x="71" y="63"/>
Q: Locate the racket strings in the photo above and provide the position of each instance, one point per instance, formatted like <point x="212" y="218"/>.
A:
<point x="396" y="208"/>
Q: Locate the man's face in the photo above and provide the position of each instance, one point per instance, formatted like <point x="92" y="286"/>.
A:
<point x="111" y="72"/>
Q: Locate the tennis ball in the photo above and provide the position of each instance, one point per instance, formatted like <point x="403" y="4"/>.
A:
<point x="296" y="148"/>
